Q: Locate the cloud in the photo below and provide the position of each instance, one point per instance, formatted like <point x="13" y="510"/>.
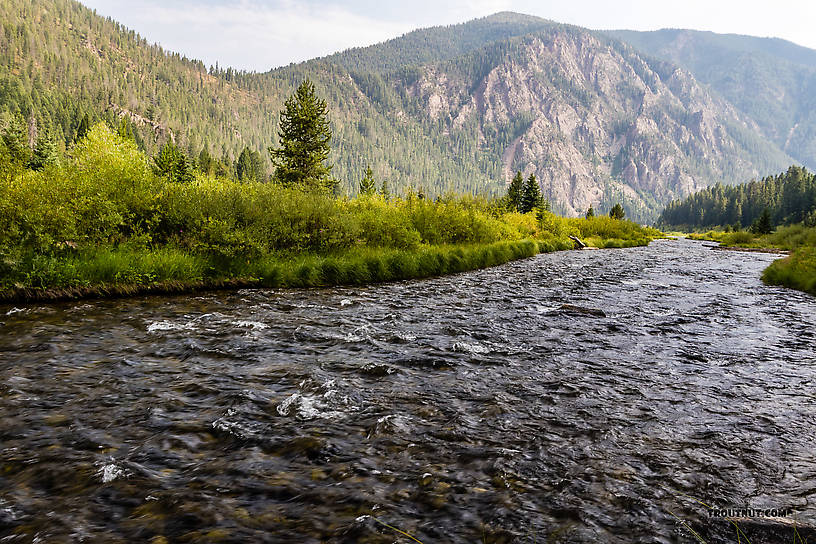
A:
<point x="248" y="34"/>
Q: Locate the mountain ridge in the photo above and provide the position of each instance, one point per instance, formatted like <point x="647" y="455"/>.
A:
<point x="595" y="120"/>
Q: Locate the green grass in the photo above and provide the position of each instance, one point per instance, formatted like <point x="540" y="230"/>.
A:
<point x="797" y="271"/>
<point x="359" y="266"/>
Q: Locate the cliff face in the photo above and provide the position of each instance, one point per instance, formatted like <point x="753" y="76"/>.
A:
<point x="773" y="81"/>
<point x="599" y="122"/>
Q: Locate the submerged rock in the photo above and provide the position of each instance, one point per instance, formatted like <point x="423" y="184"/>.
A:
<point x="581" y="310"/>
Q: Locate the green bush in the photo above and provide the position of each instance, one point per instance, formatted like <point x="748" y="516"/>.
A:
<point x="104" y="217"/>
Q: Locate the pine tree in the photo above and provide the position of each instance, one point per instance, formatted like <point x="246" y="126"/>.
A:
<point x="245" y="167"/>
<point x="514" y="192"/>
<point x="125" y="131"/>
<point x="590" y="212"/>
<point x="617" y="212"/>
<point x="45" y="153"/>
<point x="367" y="185"/>
<point x="205" y="163"/>
<point x="384" y="192"/>
<point x="531" y="196"/>
<point x="172" y="163"/>
<point x="305" y="136"/>
<point x="83" y="127"/>
<point x="15" y="139"/>
<point x="763" y="224"/>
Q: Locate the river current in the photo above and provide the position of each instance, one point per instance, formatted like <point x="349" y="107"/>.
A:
<point x="597" y="396"/>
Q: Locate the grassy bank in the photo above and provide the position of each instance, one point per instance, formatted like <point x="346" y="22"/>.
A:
<point x="123" y="272"/>
<point x="788" y="238"/>
<point x="104" y="222"/>
<point x="798" y="271"/>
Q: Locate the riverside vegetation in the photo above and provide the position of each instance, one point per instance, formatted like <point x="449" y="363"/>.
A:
<point x="105" y="219"/>
<point x="797" y="271"/>
<point x="781" y="212"/>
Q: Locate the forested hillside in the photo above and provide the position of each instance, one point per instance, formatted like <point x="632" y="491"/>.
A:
<point x="789" y="197"/>
<point x="444" y="109"/>
<point x="771" y="80"/>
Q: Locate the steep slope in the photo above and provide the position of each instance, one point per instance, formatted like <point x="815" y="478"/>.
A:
<point x="593" y="120"/>
<point x="771" y="80"/>
<point x="447" y="109"/>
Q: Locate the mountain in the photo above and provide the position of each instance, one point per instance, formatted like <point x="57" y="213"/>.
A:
<point x="773" y="81"/>
<point x="456" y="108"/>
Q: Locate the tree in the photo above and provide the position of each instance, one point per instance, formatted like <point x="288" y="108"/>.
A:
<point x="258" y="166"/>
<point x="15" y="139"/>
<point x="590" y="212"/>
<point x="83" y="127"/>
<point x="531" y="196"/>
<point x="172" y="163"/>
<point x="45" y="153"/>
<point x="514" y="192"/>
<point x="617" y="212"/>
<point x="763" y="224"/>
<point x="386" y="194"/>
<point x="206" y="163"/>
<point x="245" y="168"/>
<point x="367" y="185"/>
<point x="305" y="136"/>
<point x="125" y="130"/>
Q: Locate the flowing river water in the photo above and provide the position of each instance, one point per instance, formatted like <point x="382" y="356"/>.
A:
<point x="572" y="397"/>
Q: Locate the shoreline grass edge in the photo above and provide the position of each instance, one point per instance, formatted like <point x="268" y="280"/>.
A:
<point x="122" y="273"/>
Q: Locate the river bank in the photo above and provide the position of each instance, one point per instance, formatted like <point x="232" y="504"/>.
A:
<point x="105" y="223"/>
<point x="362" y="266"/>
<point x="797" y="242"/>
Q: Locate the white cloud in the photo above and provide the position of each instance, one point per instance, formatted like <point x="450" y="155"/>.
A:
<point x="251" y="35"/>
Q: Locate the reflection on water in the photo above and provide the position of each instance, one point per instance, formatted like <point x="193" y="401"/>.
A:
<point x="474" y="408"/>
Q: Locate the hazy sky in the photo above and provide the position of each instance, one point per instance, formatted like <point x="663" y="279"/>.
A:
<point x="262" y="34"/>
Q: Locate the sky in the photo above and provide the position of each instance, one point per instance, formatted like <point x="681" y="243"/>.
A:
<point x="263" y="34"/>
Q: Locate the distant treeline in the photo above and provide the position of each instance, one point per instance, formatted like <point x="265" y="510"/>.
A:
<point x="789" y="197"/>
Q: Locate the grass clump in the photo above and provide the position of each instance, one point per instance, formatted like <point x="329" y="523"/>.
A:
<point x="798" y="271"/>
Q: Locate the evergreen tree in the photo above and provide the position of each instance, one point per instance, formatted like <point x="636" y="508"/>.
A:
<point x="763" y="224"/>
<point x="15" y="139"/>
<point x="367" y="185"/>
<point x="83" y="127"/>
<point x="244" y="168"/>
<point x="531" y="196"/>
<point x="305" y="136"/>
<point x="258" y="166"/>
<point x="172" y="163"/>
<point x="386" y="194"/>
<point x="590" y="212"/>
<point x="45" y="153"/>
<point x="617" y="212"/>
<point x="205" y="163"/>
<point x="514" y="192"/>
<point x="125" y="131"/>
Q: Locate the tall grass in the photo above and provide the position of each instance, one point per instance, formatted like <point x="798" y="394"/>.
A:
<point x="797" y="271"/>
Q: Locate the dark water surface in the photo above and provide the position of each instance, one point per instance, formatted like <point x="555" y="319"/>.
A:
<point x="462" y="409"/>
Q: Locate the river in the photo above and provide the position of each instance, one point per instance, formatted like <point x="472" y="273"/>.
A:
<point x="471" y="408"/>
